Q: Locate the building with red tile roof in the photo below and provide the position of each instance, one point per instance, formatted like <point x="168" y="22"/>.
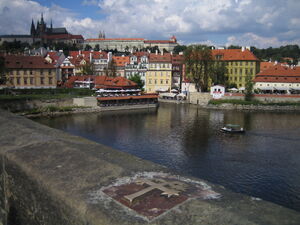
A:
<point x="278" y="78"/>
<point x="101" y="82"/>
<point x="127" y="44"/>
<point x="239" y="63"/>
<point x="159" y="73"/>
<point x="29" y="72"/>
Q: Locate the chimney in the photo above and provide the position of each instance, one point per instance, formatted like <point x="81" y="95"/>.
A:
<point x="156" y="52"/>
<point x="162" y="52"/>
<point x="91" y="57"/>
<point x="171" y="52"/>
<point x="79" y="52"/>
<point x="243" y="49"/>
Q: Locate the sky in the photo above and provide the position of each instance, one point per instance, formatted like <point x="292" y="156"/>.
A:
<point x="260" y="23"/>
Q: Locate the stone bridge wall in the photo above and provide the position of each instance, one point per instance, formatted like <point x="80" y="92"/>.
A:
<point x="49" y="177"/>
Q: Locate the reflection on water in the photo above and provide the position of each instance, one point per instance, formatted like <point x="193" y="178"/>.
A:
<point x="264" y="162"/>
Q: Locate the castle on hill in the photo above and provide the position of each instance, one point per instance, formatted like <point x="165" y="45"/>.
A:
<point x="44" y="35"/>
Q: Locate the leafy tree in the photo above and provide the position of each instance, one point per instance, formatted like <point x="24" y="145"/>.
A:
<point x="88" y="48"/>
<point x="179" y="48"/>
<point x="234" y="47"/>
<point x="249" y="87"/>
<point x="97" y="47"/>
<point x="88" y="69"/>
<point x="111" y="69"/>
<point x="138" y="80"/>
<point x="3" y="78"/>
<point x="199" y="65"/>
<point x="219" y="73"/>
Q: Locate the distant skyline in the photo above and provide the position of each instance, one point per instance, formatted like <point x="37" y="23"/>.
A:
<point x="260" y="23"/>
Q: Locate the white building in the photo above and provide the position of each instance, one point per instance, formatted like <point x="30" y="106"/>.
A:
<point x="278" y="79"/>
<point x="217" y="91"/>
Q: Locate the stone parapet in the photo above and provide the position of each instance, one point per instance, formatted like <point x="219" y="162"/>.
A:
<point x="50" y="177"/>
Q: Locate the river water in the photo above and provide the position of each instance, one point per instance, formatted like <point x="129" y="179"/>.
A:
<point x="264" y="162"/>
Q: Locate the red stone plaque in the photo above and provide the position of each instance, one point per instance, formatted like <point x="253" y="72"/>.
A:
<point x="151" y="197"/>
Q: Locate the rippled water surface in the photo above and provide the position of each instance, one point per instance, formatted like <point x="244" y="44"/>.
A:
<point x="264" y="162"/>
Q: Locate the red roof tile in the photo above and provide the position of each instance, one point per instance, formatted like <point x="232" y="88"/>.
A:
<point x="279" y="74"/>
<point x="234" y="55"/>
<point x="166" y="57"/>
<point x="121" y="60"/>
<point x="103" y="81"/>
<point x="26" y="62"/>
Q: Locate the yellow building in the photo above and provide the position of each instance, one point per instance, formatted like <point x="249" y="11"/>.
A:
<point x="29" y="72"/>
<point x="239" y="64"/>
<point x="159" y="74"/>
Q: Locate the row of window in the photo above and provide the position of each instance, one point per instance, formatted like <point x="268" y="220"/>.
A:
<point x="240" y="63"/>
<point x="236" y="79"/>
<point x="158" y="74"/>
<point x="160" y="65"/>
<point x="241" y="70"/>
<point x="30" y="72"/>
<point x="161" y="81"/>
<point x="31" y="80"/>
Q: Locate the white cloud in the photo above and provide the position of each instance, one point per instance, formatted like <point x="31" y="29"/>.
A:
<point x="190" y="20"/>
<point x="16" y="15"/>
<point x="250" y="39"/>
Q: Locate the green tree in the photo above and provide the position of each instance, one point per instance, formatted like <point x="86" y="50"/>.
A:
<point x="97" y="47"/>
<point x="88" y="48"/>
<point x="219" y="73"/>
<point x="88" y="69"/>
<point x="249" y="87"/>
<point x="138" y="80"/>
<point x="111" y="69"/>
<point x="3" y="78"/>
<point x="199" y="65"/>
<point x="179" y="48"/>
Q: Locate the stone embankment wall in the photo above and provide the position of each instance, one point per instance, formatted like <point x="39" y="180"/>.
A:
<point x="199" y="98"/>
<point x="52" y="178"/>
<point x="85" y="101"/>
<point x="265" y="97"/>
<point x="23" y="105"/>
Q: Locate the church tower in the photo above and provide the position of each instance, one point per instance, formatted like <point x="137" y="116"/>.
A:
<point x="32" y="29"/>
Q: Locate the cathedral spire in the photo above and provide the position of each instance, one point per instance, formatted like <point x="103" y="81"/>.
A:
<point x="32" y="30"/>
<point x="42" y="19"/>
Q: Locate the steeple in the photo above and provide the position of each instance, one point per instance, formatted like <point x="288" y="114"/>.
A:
<point x="32" y="29"/>
<point x="51" y="25"/>
<point x="42" y="19"/>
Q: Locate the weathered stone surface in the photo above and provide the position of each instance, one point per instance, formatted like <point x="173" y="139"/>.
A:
<point x="50" y="177"/>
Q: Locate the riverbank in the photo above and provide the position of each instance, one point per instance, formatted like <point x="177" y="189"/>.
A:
<point x="237" y="104"/>
<point x="53" y="111"/>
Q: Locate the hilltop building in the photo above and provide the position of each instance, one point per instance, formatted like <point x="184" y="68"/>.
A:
<point x="129" y="44"/>
<point x="44" y="34"/>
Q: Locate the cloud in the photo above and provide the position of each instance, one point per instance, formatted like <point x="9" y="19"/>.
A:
<point x="259" y="22"/>
<point x="16" y="15"/>
<point x="250" y="39"/>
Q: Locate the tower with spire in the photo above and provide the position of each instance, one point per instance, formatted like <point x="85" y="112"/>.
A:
<point x="32" y="29"/>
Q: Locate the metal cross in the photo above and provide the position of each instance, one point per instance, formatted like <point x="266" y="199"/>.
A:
<point x="168" y="188"/>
